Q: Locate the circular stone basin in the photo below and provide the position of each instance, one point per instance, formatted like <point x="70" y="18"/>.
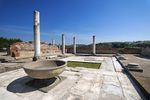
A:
<point x="44" y="69"/>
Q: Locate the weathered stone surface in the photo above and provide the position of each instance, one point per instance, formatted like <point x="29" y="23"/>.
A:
<point x="82" y="84"/>
<point x="121" y="57"/>
<point x="26" y="49"/>
<point x="130" y="91"/>
<point x="134" y="67"/>
<point x="117" y="66"/>
<point x="94" y="46"/>
<point x="107" y="65"/>
<point x="9" y="95"/>
<point x="146" y="51"/>
<point x="63" y="43"/>
<point x="74" y="45"/>
<point x="36" y="28"/>
<point x="104" y="50"/>
<point x="111" y="92"/>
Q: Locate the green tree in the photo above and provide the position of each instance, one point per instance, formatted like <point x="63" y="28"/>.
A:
<point x="6" y="42"/>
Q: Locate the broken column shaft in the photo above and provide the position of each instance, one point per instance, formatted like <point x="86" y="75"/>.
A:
<point x="36" y="35"/>
<point x="63" y="44"/>
<point x="94" y="47"/>
<point x="74" y="45"/>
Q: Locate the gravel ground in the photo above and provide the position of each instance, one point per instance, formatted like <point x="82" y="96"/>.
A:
<point x="8" y="63"/>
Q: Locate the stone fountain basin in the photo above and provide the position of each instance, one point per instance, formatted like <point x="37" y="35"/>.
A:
<point x="44" y="69"/>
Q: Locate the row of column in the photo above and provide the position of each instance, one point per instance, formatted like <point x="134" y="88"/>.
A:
<point x="37" y="38"/>
<point x="74" y="45"/>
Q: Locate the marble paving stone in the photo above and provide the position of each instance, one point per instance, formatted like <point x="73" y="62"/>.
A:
<point x="112" y="92"/>
<point x="80" y="84"/>
<point x="117" y="66"/>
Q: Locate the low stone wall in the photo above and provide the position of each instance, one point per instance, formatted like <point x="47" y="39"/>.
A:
<point x="25" y="54"/>
<point x="131" y="50"/>
<point x="99" y="50"/>
<point x="106" y="50"/>
<point x="26" y="49"/>
<point x="146" y="51"/>
<point x="86" y="50"/>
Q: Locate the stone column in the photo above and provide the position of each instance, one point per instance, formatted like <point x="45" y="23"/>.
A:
<point x="63" y="43"/>
<point x="59" y="46"/>
<point x="36" y="36"/>
<point x="74" y="45"/>
<point x="94" y="47"/>
<point x="53" y="42"/>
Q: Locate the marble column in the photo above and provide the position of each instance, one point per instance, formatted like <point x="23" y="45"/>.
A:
<point x="36" y="35"/>
<point x="59" y="46"/>
<point x="53" y="42"/>
<point x="74" y="45"/>
<point x="94" y="46"/>
<point x="63" y="43"/>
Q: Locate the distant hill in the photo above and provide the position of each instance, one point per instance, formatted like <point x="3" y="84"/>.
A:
<point x="124" y="44"/>
<point x="134" y="44"/>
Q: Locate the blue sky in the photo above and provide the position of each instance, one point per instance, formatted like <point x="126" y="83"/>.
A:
<point x="108" y="20"/>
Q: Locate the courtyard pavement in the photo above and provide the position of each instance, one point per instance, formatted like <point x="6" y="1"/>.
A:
<point x="142" y="77"/>
<point x="107" y="83"/>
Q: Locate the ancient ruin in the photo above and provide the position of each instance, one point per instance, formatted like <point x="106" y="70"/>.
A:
<point x="46" y="77"/>
<point x="37" y="46"/>
<point x="94" y="46"/>
<point x="63" y="44"/>
<point x="74" y="45"/>
<point x="146" y="51"/>
<point x="26" y="50"/>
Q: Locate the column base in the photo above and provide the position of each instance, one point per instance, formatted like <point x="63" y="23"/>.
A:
<point x="35" y="58"/>
<point x="94" y="54"/>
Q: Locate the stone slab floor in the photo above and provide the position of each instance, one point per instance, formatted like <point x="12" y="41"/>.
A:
<point x="106" y="83"/>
